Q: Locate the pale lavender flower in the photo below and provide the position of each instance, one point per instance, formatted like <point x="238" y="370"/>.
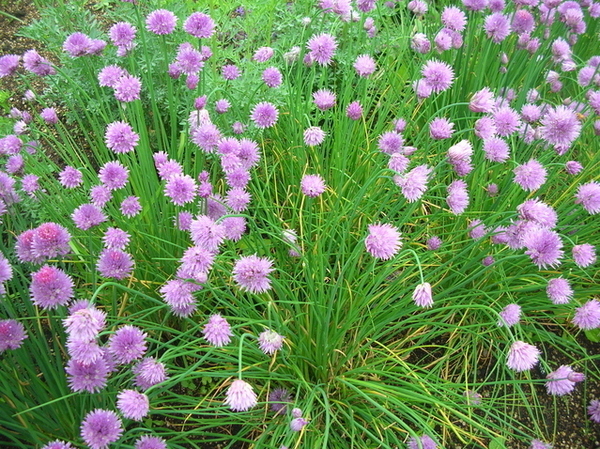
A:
<point x="507" y="120"/>
<point x="120" y="137"/>
<point x="390" y="142"/>
<point x="238" y="199"/>
<point x="148" y="372"/>
<point x="150" y="442"/>
<point x="434" y="243"/>
<point x="312" y="185"/>
<point x="383" y="241"/>
<point x="441" y="128"/>
<point x="561" y="381"/>
<point x="130" y="206"/>
<point x="414" y="183"/>
<point x="270" y="341"/>
<point x="477" y="229"/>
<point x="454" y="18"/>
<point x="207" y="135"/>
<point x="264" y="115"/>
<point x="199" y="25"/>
<point x="181" y="189"/>
<point x="422" y="295"/>
<point x="33" y="62"/>
<point x="263" y="54"/>
<point x="12" y="334"/>
<point x="90" y="377"/>
<point x="127" y="344"/>
<point x="584" y="255"/>
<point x="217" y="331"/>
<point x="100" y="195"/>
<point x="417" y="7"/>
<point x="230" y="72"/>
<point x="101" y="428"/>
<point x="77" y="44"/>
<point x="58" y="444"/>
<point x="314" y="136"/>
<point x="113" y="175"/>
<point x="544" y="247"/>
<point x="522" y="356"/>
<point x="559" y="290"/>
<point x="423" y="442"/>
<point x="420" y="43"/>
<point x="70" y="177"/>
<point x="587" y="317"/>
<point x="324" y="99"/>
<point x="482" y="101"/>
<point x="222" y="106"/>
<point x="458" y="197"/>
<point x="531" y="113"/>
<point x="365" y="65"/>
<point x="510" y="315"/>
<point x="438" y="75"/>
<point x="85" y="324"/>
<point x="497" y="27"/>
<point x="523" y="22"/>
<point x="538" y="444"/>
<point x="530" y="175"/>
<point x="109" y="75"/>
<point x="594" y="410"/>
<point x="496" y="149"/>
<point x="122" y="34"/>
<point x="560" y="127"/>
<point x="84" y="351"/>
<point x="297" y="424"/>
<point x="475" y="5"/>
<point x="133" y="404"/>
<point x="10" y="144"/>
<point x="321" y="48"/>
<point x="272" y="77"/>
<point x="49" y="116"/>
<point x="398" y="162"/>
<point x="573" y="167"/>
<point x="588" y="195"/>
<point x="9" y="65"/>
<point x="24" y="249"/>
<point x="538" y="212"/>
<point x="240" y="396"/>
<point x="178" y="294"/>
<point x="251" y="273"/>
<point x="115" y="263"/>
<point x="195" y="259"/>
<point x="127" y="88"/>
<point x="188" y="59"/>
<point x="485" y="128"/>
<point x="51" y="287"/>
<point x="205" y="232"/>
<point x="161" y="22"/>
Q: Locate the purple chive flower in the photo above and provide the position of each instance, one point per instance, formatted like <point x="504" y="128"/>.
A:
<point x="115" y="263"/>
<point x="560" y="127"/>
<point x="434" y="243"/>
<point x="263" y="54"/>
<point x="531" y="113"/>
<point x="496" y="149"/>
<point x="148" y="372"/>
<point x="150" y="442"/>
<point x="49" y="116"/>
<point x="485" y="128"/>
<point x="51" y="287"/>
<point x="324" y="99"/>
<point x="270" y="341"/>
<point x="10" y="144"/>
<point x="127" y="344"/>
<point x="6" y="272"/>
<point x="222" y="106"/>
<point x="127" y="88"/>
<point x="398" y="162"/>
<point x="383" y="241"/>
<point x="297" y="424"/>
<point x="24" y="249"/>
<point x="562" y="381"/>
<point x="538" y="444"/>
<point x="264" y="115"/>
<point x="587" y="316"/>
<point x="90" y="377"/>
<point x="594" y="410"/>
<point x="238" y="199"/>
<point x="12" y="334"/>
<point x="365" y="65"/>
<point x="559" y="290"/>
<point x="14" y="164"/>
<point x="9" y="65"/>
<point x="482" y="101"/>
<point x="530" y="175"/>
<point x="523" y="22"/>
<point x="422" y="295"/>
<point x="85" y="324"/>
<point x="417" y="7"/>
<point x="588" y="195"/>
<point x="420" y="43"/>
<point x="205" y="232"/>
<point x="453" y="18"/>
<point x="207" y="135"/>
<point x="230" y="72"/>
<point x="251" y="273"/>
<point x="390" y="142"/>
<point x="70" y="177"/>
<point x="510" y="315"/>
<point x="101" y="428"/>
<point x="179" y="296"/>
<point x="423" y="442"/>
<point x="133" y="404"/>
<point x="438" y="75"/>
<point x="312" y="185"/>
<point x="77" y="44"/>
<point x="120" y="137"/>
<point x="240" y="396"/>
<point x="536" y="211"/>
<point x="507" y="121"/>
<point x="58" y="444"/>
<point x="183" y="220"/>
<point x="313" y="136"/>
<point x="584" y="255"/>
<point x="181" y="189"/>
<point x="414" y="183"/>
<point x="50" y="240"/>
<point x="113" y="175"/>
<point x="36" y="64"/>
<point x="573" y="167"/>
<point x="458" y="197"/>
<point x="161" y="21"/>
<point x="477" y="229"/>
<point x="100" y="195"/>
<point x="272" y="77"/>
<point x="441" y="128"/>
<point x="130" y="206"/>
<point x="217" y="331"/>
<point x="188" y="59"/>
<point x="279" y="399"/>
<point x="195" y="260"/>
<point x="121" y="35"/>
<point x="321" y="48"/>
<point x="199" y="25"/>
<point x="522" y="356"/>
<point x="497" y="27"/>
<point x="544" y="247"/>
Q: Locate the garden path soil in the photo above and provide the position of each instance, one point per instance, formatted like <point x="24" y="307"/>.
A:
<point x="567" y="414"/>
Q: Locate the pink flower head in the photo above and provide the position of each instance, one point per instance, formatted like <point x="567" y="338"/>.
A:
<point x="458" y="196"/>
<point x="240" y="396"/>
<point x="530" y="175"/>
<point x="390" y="142"/>
<point x="559" y="290"/>
<point x="132" y="404"/>
<point x="148" y="372"/>
<point x="496" y="149"/>
<point x="122" y="35"/>
<point x="507" y="121"/>
<point x="205" y="232"/>
<point x="264" y="115"/>
<point x="109" y="75"/>
<point x="497" y="27"/>
<point x="584" y="255"/>
<point x="251" y="273"/>
<point x="113" y="175"/>
<point x="354" y="111"/>
<point x="522" y="356"/>
<point x="270" y="341"/>
<point x="482" y="101"/>
<point x="383" y="241"/>
<point x="85" y="324"/>
<point x="453" y="18"/>
<point x="230" y="72"/>
<point x="127" y="344"/>
<point x="9" y="65"/>
<point x="199" y="25"/>
<point x="594" y="410"/>
<point x="127" y="88"/>
<point x="588" y="195"/>
<point x="312" y="185"/>
<point x="414" y="183"/>
<point x="77" y="44"/>
<point x="161" y="21"/>
<point x="33" y="62"/>
<point x="12" y="334"/>
<point x="101" y="428"/>
<point x="438" y="75"/>
<point x="441" y="128"/>
<point x="217" y="331"/>
<point x="422" y="295"/>
<point x="181" y="189"/>
<point x="321" y="48"/>
<point x="51" y="287"/>
<point x="263" y="54"/>
<point x="544" y="247"/>
<point x="130" y="206"/>
<point x="562" y="381"/>
<point x="50" y="240"/>
<point x="587" y="317"/>
<point x="324" y="99"/>
<point x="536" y="211"/>
<point x="365" y="65"/>
<point x="120" y="137"/>
<point x="272" y="77"/>
<point x="49" y="116"/>
<point x="510" y="315"/>
<point x="150" y="442"/>
<point x="314" y="136"/>
<point x="115" y="263"/>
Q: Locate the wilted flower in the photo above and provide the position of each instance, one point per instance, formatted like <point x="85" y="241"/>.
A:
<point x="422" y="295"/>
